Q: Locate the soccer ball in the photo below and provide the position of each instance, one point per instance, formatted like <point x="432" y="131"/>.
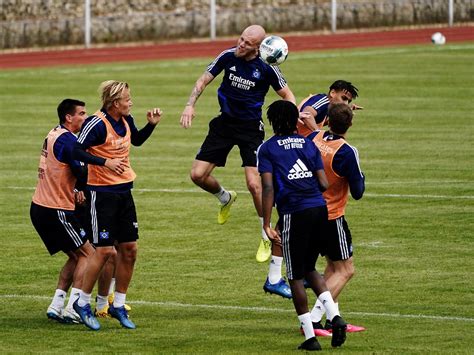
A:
<point x="273" y="50"/>
<point x="438" y="38"/>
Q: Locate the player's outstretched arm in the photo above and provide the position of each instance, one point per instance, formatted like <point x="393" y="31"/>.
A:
<point x="188" y="112"/>
<point x="355" y="107"/>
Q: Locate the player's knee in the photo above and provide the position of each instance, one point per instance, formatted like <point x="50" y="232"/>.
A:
<point x="254" y="187"/>
<point x="197" y="177"/>
<point x="129" y="251"/>
<point x="349" y="271"/>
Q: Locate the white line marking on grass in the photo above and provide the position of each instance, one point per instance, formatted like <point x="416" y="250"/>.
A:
<point x="259" y="309"/>
<point x="369" y="194"/>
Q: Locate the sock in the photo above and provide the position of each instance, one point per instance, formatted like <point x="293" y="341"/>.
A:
<point x="328" y="302"/>
<point x="305" y="322"/>
<point x="112" y="286"/>
<point x="274" y="271"/>
<point x="84" y="298"/>
<point x="101" y="302"/>
<point x="264" y="235"/>
<point x="318" y="311"/>
<point x="58" y="299"/>
<point x="119" y="299"/>
<point x="337" y="307"/>
<point x="223" y="196"/>
<point x="73" y="296"/>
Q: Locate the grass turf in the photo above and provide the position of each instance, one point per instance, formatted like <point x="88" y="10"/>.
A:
<point x="197" y="287"/>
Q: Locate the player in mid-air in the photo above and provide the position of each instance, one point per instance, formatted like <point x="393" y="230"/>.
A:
<point x="104" y="144"/>
<point x="341" y="164"/>
<point x="293" y="179"/>
<point x="316" y="106"/>
<point x="61" y="180"/>
<point x="241" y="95"/>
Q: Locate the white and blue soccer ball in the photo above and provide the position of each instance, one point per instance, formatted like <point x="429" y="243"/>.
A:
<point x="273" y="50"/>
<point x="438" y="38"/>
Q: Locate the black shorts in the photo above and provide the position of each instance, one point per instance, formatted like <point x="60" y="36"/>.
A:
<point x="59" y="229"/>
<point x="113" y="218"/>
<point x="224" y="133"/>
<point x="302" y="236"/>
<point x="338" y="240"/>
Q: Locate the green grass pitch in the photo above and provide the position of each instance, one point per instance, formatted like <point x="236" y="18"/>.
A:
<point x="197" y="287"/>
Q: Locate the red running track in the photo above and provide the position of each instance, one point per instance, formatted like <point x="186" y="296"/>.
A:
<point x="211" y="49"/>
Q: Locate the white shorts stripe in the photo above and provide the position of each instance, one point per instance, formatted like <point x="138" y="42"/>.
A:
<point x="342" y="239"/>
<point x="95" y="228"/>
<point x="69" y="229"/>
<point x="285" y="234"/>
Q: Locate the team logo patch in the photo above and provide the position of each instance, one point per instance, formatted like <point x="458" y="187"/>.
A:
<point x="256" y="74"/>
<point x="135" y="224"/>
<point x="82" y="233"/>
<point x="104" y="235"/>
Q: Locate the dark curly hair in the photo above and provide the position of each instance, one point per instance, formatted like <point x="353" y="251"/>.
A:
<point x="340" y="85"/>
<point x="283" y="116"/>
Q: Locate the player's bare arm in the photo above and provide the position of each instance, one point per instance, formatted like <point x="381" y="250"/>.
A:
<point x="267" y="205"/>
<point x="154" y="116"/>
<point x="286" y="94"/>
<point x="322" y="180"/>
<point x="188" y="113"/>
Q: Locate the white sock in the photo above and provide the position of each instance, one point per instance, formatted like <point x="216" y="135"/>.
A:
<point x="223" y="196"/>
<point x="264" y="235"/>
<point x="318" y="311"/>
<point x="84" y="298"/>
<point x="328" y="302"/>
<point x="119" y="299"/>
<point x="58" y="299"/>
<point x="274" y="271"/>
<point x="305" y="322"/>
<point x="337" y="308"/>
<point x="101" y="302"/>
<point x="112" y="286"/>
<point x="73" y="296"/>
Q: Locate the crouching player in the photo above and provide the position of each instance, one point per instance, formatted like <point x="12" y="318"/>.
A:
<point x="293" y="179"/>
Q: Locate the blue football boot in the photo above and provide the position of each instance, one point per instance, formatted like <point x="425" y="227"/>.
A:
<point x="86" y="315"/>
<point x="121" y="314"/>
<point x="281" y="288"/>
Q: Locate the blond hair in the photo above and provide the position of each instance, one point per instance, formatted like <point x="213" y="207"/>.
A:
<point x="110" y="91"/>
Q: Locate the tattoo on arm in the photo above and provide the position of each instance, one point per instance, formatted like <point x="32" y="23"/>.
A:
<point x="201" y="84"/>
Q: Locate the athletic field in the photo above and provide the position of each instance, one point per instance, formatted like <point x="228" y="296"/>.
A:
<point x="197" y="287"/>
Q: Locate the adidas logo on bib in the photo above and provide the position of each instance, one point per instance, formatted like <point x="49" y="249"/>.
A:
<point x="299" y="171"/>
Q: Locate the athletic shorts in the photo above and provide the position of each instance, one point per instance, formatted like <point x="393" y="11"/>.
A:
<point x="59" y="229"/>
<point x="338" y="240"/>
<point x="224" y="133"/>
<point x="302" y="235"/>
<point x="113" y="218"/>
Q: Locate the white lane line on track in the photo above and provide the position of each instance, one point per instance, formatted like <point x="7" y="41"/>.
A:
<point x="259" y="309"/>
